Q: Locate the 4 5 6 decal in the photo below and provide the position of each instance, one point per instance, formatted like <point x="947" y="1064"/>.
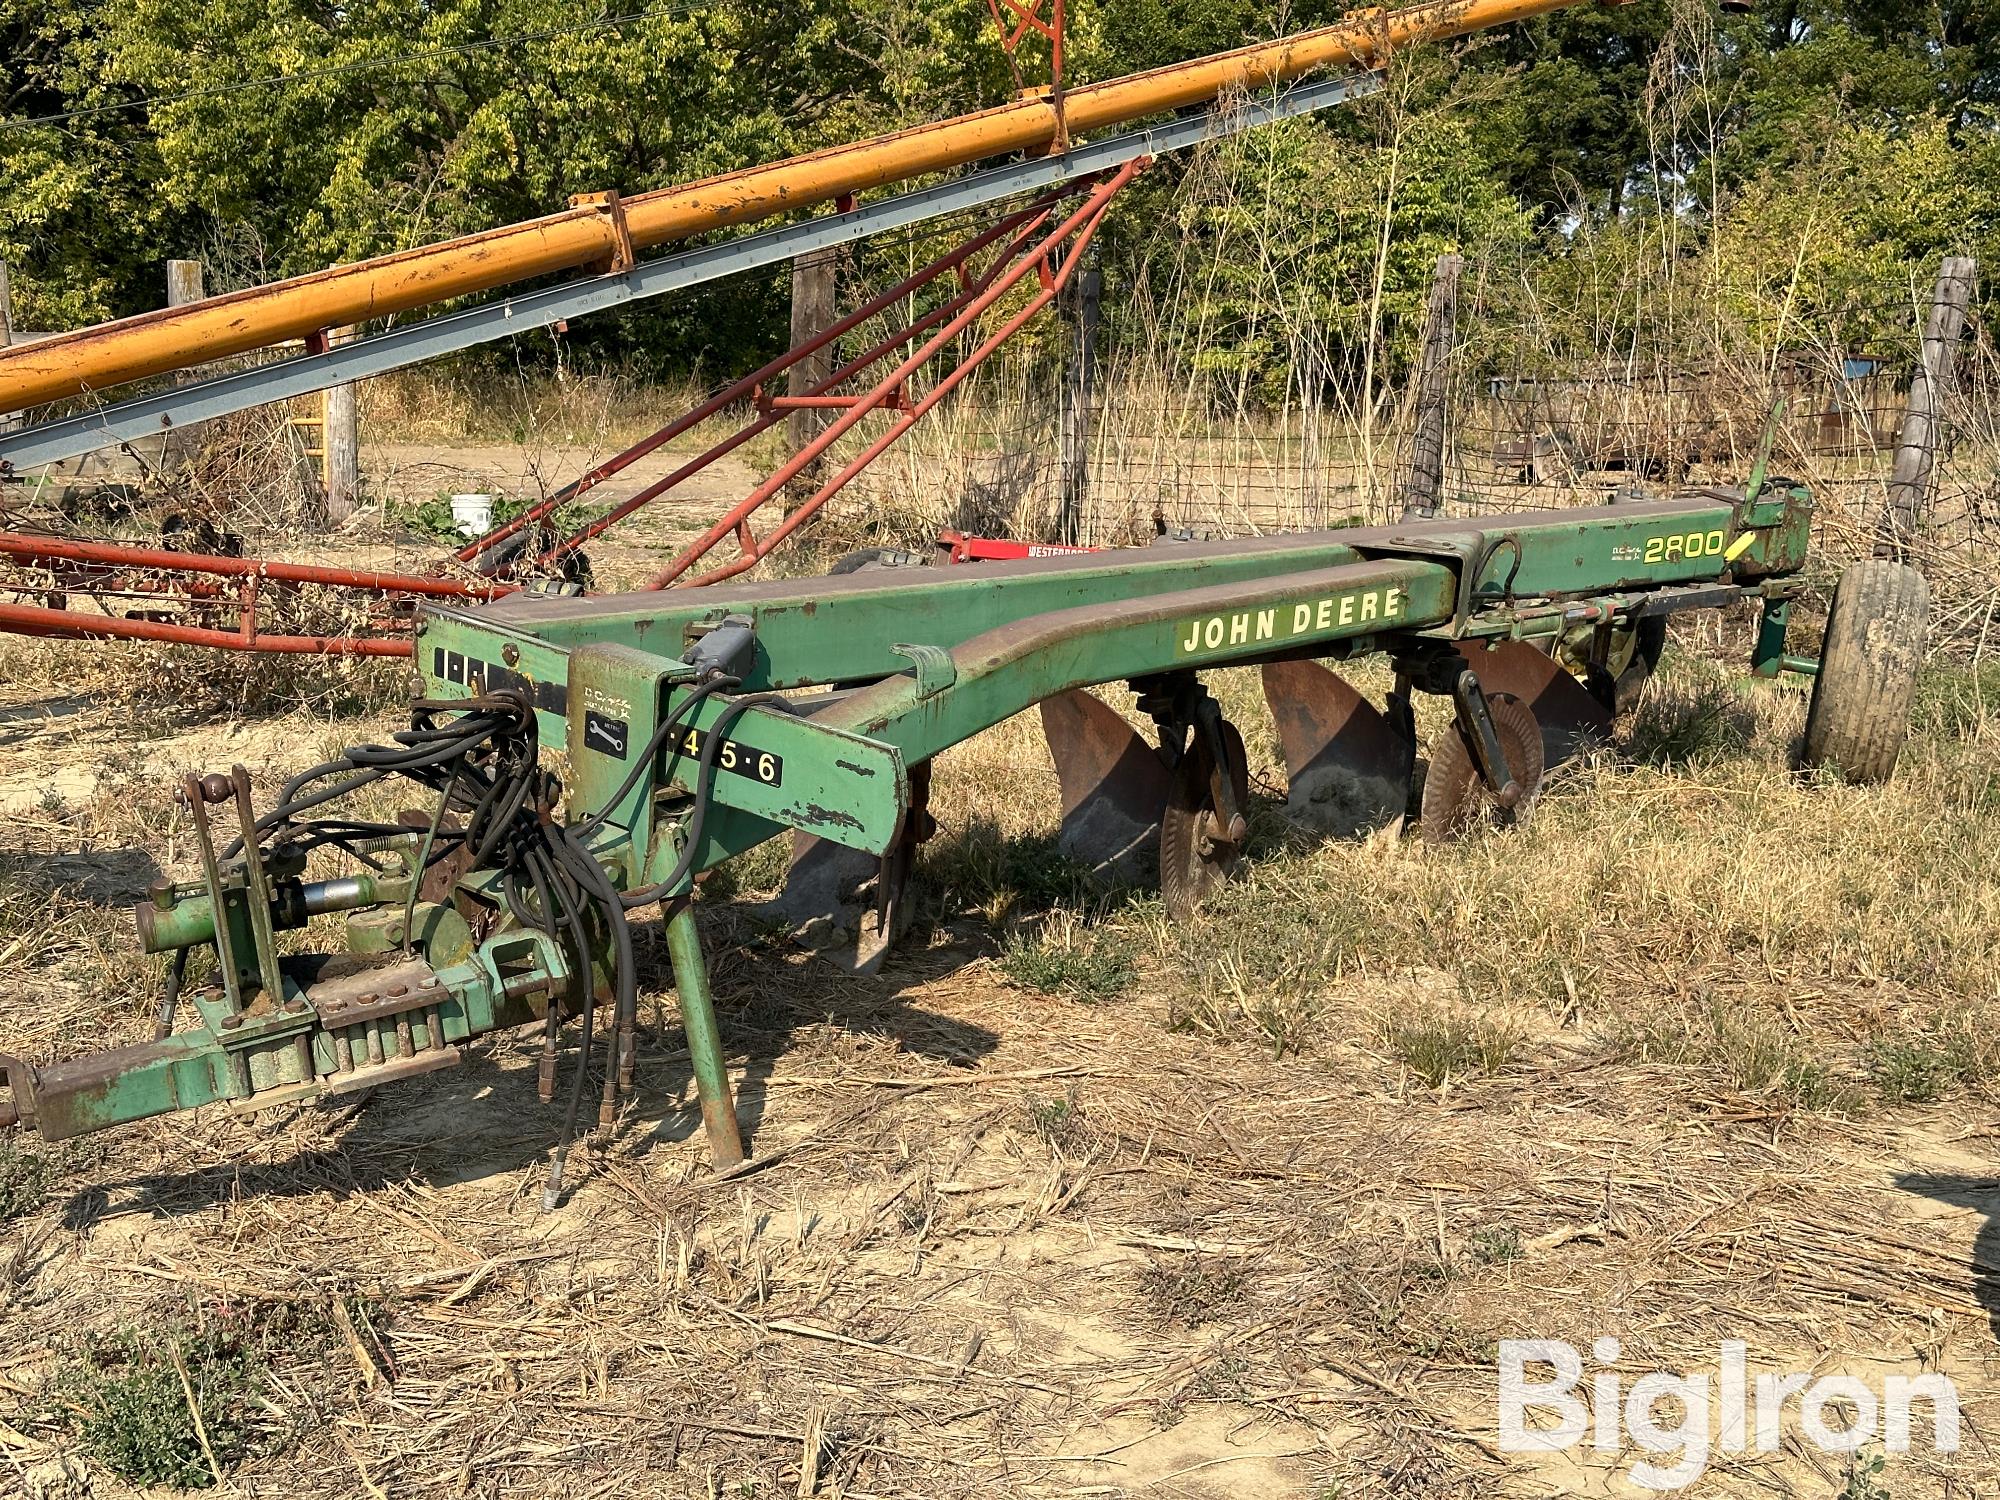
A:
<point x="758" y="765"/>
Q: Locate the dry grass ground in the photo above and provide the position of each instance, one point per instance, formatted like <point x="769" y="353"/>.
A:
<point x="1071" y="1200"/>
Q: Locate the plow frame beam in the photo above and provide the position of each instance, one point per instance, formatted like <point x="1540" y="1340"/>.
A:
<point x="1003" y="637"/>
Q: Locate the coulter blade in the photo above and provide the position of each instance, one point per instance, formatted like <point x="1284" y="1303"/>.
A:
<point x="1114" y="787"/>
<point x="1570" y="716"/>
<point x="1349" y="771"/>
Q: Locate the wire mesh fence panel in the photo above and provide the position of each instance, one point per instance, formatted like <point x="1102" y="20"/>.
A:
<point x="1231" y="403"/>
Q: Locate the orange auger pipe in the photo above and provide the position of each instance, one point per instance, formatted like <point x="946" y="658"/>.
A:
<point x="257" y="317"/>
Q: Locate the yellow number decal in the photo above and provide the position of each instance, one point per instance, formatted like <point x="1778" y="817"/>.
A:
<point x="1666" y="549"/>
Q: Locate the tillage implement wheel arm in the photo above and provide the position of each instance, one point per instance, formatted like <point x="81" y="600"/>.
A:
<point x="700" y="725"/>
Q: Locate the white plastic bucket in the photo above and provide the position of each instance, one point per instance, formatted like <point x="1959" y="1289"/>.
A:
<point x="472" y="514"/>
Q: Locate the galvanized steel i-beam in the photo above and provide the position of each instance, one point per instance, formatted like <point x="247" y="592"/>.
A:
<point x="184" y="406"/>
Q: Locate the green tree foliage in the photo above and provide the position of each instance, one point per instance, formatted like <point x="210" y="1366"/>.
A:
<point x="1277" y="245"/>
<point x="143" y="130"/>
<point x="79" y="223"/>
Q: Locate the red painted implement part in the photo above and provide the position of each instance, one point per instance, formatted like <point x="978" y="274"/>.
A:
<point x="32" y="619"/>
<point x="117" y="554"/>
<point x="1022" y="242"/>
<point x="1027" y="18"/>
<point x="156" y="575"/>
<point x="957" y="547"/>
<point x="1052" y="272"/>
<point x="1012" y="233"/>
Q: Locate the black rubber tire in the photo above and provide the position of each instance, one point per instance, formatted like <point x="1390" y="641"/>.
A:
<point x="1868" y="663"/>
<point x="868" y="559"/>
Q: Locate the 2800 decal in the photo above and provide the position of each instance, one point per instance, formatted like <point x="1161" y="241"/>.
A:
<point x="1683" y="546"/>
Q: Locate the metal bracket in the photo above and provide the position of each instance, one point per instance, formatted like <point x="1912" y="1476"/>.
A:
<point x="936" y="671"/>
<point x="1230" y="822"/>
<point x="1476" y="720"/>
<point x="622" y="258"/>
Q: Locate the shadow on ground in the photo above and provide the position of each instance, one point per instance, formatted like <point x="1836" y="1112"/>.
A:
<point x="1983" y="1195"/>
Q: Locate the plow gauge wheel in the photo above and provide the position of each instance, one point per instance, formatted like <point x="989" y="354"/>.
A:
<point x="1457" y="799"/>
<point x="1876" y="633"/>
<point x="1195" y="850"/>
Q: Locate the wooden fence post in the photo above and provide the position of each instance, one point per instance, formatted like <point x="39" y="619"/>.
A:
<point x="342" y="436"/>
<point x="1424" y="487"/>
<point x="184" y="285"/>
<point x="1916" y="445"/>
<point x="1086" y="295"/>
<point x="813" y="278"/>
<point x="183" y="282"/>
<point x="9" y="422"/>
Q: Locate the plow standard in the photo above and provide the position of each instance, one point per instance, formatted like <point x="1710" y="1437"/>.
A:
<point x="698" y="725"/>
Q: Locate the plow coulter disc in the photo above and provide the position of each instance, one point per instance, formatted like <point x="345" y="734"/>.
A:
<point x="1196" y="852"/>
<point x="1348" y="770"/>
<point x="1113" y="787"/>
<point x="1457" y="798"/>
<point x="1569" y="716"/>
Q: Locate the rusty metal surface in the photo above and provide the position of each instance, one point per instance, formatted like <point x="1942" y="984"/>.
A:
<point x="370" y="994"/>
<point x="1348" y="771"/>
<point x="1571" y="718"/>
<point x="1196" y="851"/>
<point x="428" y="1061"/>
<point x="1457" y="799"/>
<point x="1114" y="787"/>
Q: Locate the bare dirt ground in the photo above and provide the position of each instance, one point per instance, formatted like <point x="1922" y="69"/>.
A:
<point x="1071" y="1201"/>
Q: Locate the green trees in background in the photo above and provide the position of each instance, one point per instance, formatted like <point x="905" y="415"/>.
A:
<point x="1807" y="151"/>
<point x="80" y="223"/>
